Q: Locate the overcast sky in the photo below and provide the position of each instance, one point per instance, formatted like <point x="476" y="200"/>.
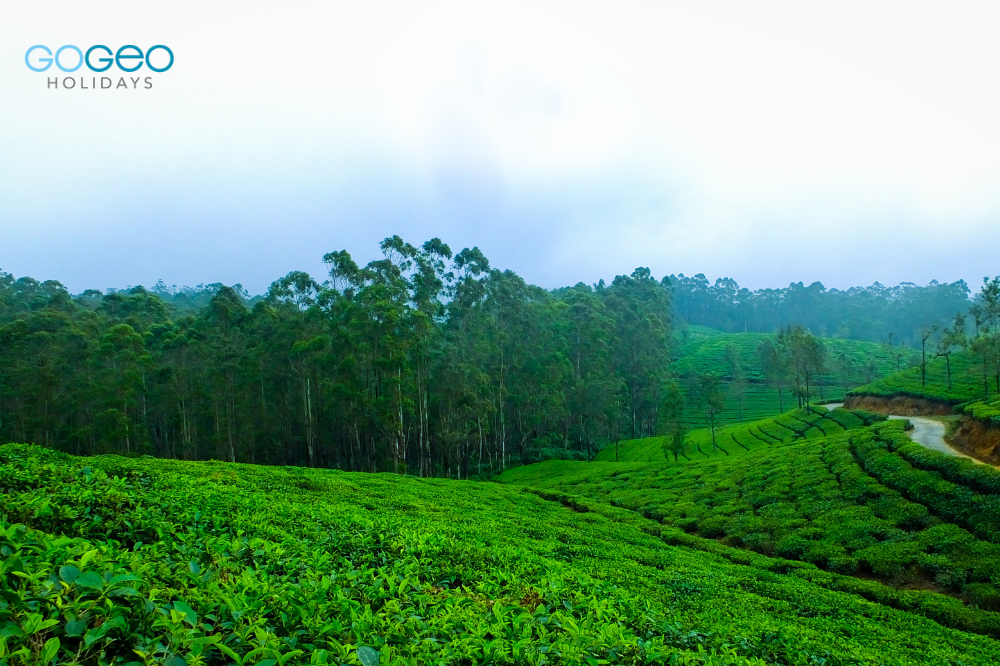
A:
<point x="770" y="142"/>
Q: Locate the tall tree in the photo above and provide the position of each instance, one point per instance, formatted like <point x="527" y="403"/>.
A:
<point x="774" y="367"/>
<point x="952" y="339"/>
<point x="705" y="392"/>
<point x="737" y="378"/>
<point x="420" y="361"/>
<point x="671" y="421"/>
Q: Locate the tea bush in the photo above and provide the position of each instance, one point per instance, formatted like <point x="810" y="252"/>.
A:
<point x="981" y="478"/>
<point x="846" y="503"/>
<point x="806" y="423"/>
<point x="987" y="411"/>
<point x="876" y="450"/>
<point x="966" y="381"/>
<point x="111" y="560"/>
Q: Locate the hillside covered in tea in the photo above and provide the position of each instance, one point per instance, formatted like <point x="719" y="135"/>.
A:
<point x="116" y="560"/>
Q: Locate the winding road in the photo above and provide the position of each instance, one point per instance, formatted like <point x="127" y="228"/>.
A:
<point x="927" y="432"/>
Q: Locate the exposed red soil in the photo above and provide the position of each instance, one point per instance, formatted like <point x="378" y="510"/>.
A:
<point x="902" y="405"/>
<point x="978" y="439"/>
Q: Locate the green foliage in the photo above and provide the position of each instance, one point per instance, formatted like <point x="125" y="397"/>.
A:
<point x="418" y="362"/>
<point x="880" y="453"/>
<point x="116" y="560"/>
<point x="987" y="411"/>
<point x="967" y="383"/>
<point x="959" y="368"/>
<point x="834" y="502"/>
<point x="701" y="350"/>
<point x="737" y="439"/>
<point x="671" y="422"/>
<point x="964" y="471"/>
<point x="876" y="313"/>
<point x="770" y="387"/>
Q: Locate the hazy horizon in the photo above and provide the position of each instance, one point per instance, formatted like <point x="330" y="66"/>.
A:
<point x="176" y="288"/>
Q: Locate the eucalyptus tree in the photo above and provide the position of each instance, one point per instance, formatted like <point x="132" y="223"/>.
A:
<point x="774" y="367"/>
<point x="589" y="331"/>
<point x="641" y="308"/>
<point x="123" y="362"/>
<point x="706" y="393"/>
<point x="805" y="355"/>
<point x="989" y="297"/>
<point x="220" y="328"/>
<point x="737" y="378"/>
<point x="671" y="421"/>
<point x="925" y="335"/>
<point x="420" y="361"/>
<point x="952" y="339"/>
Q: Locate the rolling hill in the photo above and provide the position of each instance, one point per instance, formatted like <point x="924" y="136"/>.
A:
<point x="966" y="381"/>
<point x="698" y="349"/>
<point x="863" y="505"/>
<point x="136" y="560"/>
<point x="739" y="438"/>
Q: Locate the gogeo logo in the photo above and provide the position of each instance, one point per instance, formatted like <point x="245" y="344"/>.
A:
<point x="124" y="58"/>
<point x="99" y="58"/>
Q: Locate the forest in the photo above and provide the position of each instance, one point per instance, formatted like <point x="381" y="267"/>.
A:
<point x="875" y="313"/>
<point x="424" y="361"/>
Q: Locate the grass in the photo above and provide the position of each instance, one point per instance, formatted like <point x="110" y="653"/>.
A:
<point x="110" y="560"/>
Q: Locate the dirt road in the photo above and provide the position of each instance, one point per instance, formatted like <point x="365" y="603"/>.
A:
<point x="926" y="431"/>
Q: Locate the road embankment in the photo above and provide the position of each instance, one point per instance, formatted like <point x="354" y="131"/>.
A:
<point x="978" y="440"/>
<point x="902" y="405"/>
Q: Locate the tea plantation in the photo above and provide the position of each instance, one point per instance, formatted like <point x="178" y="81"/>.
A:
<point x="966" y="381"/>
<point x="759" y="401"/>
<point x="736" y="439"/>
<point x="987" y="411"/>
<point x="111" y="560"/>
<point x="701" y="350"/>
<point x="867" y="504"/>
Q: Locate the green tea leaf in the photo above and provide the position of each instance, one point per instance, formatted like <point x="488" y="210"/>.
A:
<point x="189" y="615"/>
<point x="69" y="574"/>
<point x="50" y="650"/>
<point x="75" y="627"/>
<point x="90" y="579"/>
<point x="368" y="656"/>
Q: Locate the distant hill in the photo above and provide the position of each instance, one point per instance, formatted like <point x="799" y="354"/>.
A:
<point x="699" y="349"/>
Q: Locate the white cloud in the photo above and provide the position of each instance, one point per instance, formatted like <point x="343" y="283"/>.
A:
<point x="571" y="140"/>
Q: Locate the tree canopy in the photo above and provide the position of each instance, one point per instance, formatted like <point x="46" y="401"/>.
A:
<point x="421" y="361"/>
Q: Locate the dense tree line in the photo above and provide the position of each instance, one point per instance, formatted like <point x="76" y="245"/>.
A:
<point x="420" y="361"/>
<point x="877" y="313"/>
